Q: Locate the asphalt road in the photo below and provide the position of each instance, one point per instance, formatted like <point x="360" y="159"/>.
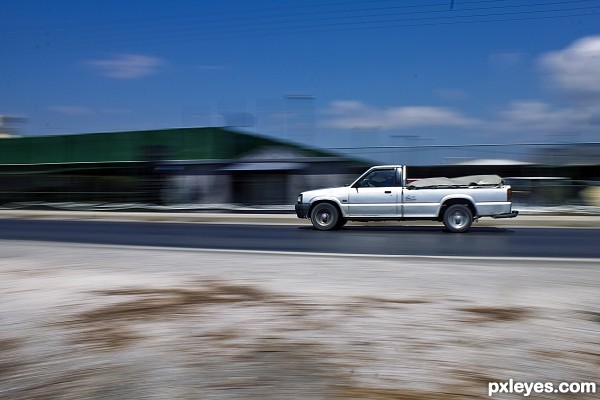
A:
<point x="391" y="240"/>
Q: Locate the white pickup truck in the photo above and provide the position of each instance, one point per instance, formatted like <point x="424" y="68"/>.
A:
<point x="384" y="194"/>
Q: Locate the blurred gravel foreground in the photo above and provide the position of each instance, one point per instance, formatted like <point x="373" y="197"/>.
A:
<point x="101" y="322"/>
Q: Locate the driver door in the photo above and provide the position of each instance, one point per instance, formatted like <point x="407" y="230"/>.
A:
<point x="375" y="195"/>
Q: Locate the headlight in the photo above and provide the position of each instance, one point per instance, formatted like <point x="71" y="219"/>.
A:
<point x="299" y="199"/>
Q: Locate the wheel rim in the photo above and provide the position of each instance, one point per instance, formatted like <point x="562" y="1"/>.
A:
<point x="459" y="219"/>
<point x="323" y="217"/>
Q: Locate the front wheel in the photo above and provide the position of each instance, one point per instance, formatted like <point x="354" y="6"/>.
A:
<point x="325" y="217"/>
<point x="458" y="218"/>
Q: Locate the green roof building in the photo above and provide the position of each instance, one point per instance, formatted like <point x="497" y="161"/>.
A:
<point x="184" y="165"/>
<point x="183" y="144"/>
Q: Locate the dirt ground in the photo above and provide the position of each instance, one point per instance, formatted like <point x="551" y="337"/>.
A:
<point x="107" y="322"/>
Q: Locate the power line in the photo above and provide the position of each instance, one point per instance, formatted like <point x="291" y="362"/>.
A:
<point x="237" y="14"/>
<point x="259" y="21"/>
<point x="324" y="21"/>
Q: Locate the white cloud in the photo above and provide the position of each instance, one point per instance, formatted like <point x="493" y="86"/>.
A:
<point x="576" y="69"/>
<point x="212" y="67"/>
<point x="452" y="94"/>
<point x="74" y="111"/>
<point x="127" y="66"/>
<point x="505" y="60"/>
<point x="115" y="111"/>
<point x="355" y="114"/>
<point x="517" y="120"/>
<point x="70" y="110"/>
<point x="528" y="116"/>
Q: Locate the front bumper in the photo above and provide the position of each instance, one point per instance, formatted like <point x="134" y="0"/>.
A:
<point x="302" y="210"/>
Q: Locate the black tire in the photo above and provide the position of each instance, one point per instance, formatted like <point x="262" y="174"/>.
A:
<point x="325" y="217"/>
<point x="341" y="223"/>
<point x="458" y="218"/>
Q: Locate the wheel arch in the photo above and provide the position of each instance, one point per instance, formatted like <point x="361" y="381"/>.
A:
<point x="326" y="200"/>
<point x="457" y="200"/>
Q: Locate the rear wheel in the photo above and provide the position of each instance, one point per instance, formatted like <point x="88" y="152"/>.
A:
<point x="458" y="218"/>
<point x="325" y="217"/>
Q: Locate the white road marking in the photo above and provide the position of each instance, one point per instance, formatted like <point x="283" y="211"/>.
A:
<point x="332" y="255"/>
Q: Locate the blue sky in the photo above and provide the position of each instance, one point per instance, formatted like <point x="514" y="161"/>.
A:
<point x="329" y="73"/>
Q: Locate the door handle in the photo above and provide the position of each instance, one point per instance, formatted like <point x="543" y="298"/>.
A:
<point x="388" y="191"/>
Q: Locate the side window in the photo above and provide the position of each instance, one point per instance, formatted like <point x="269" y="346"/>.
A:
<point x="378" y="178"/>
